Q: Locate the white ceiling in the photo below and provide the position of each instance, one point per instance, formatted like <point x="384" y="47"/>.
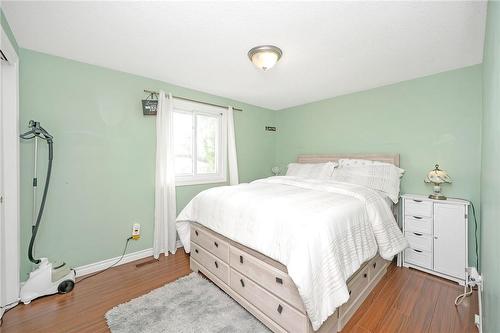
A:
<point x="330" y="48"/>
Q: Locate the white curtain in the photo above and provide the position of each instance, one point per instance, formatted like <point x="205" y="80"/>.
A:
<point x="231" y="149"/>
<point x="165" y="208"/>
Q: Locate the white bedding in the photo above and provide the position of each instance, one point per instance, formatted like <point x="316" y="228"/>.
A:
<point x="322" y="231"/>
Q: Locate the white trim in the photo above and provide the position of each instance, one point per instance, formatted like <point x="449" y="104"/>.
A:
<point x="103" y="264"/>
<point x="200" y="181"/>
<point x="480" y="302"/>
<point x="194" y="109"/>
<point x="9" y="182"/>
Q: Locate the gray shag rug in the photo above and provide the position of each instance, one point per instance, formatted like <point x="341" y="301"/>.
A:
<point x="190" y="304"/>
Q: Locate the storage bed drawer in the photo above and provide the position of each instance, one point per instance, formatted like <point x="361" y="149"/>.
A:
<point x="376" y="265"/>
<point x="210" y="242"/>
<point x="356" y="287"/>
<point x="210" y="262"/>
<point x="271" y="278"/>
<point x="279" y="311"/>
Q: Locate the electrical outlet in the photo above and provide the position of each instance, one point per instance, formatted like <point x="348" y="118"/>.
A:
<point x="474" y="278"/>
<point x="136" y="231"/>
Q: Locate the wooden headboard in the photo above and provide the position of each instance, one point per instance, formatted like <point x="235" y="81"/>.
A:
<point x="387" y="158"/>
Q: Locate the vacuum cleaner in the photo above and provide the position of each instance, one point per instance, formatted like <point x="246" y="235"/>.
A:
<point x="48" y="278"/>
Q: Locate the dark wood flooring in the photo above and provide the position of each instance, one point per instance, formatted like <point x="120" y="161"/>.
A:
<point x="404" y="301"/>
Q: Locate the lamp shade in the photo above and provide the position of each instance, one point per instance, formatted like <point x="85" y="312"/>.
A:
<point x="437" y="176"/>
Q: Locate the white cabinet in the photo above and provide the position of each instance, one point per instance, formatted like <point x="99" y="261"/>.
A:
<point x="437" y="233"/>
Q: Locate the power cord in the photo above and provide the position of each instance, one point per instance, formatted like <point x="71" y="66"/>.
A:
<point x="469" y="284"/>
<point x="113" y="265"/>
<point x="466" y="293"/>
<point x="475" y="234"/>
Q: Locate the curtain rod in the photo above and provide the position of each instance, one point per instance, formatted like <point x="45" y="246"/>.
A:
<point x="193" y="100"/>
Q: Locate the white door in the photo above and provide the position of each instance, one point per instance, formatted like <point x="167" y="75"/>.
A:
<point x="9" y="176"/>
<point x="2" y="210"/>
<point x="449" y="240"/>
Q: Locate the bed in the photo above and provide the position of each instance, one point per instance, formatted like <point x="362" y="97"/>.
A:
<point x="300" y="255"/>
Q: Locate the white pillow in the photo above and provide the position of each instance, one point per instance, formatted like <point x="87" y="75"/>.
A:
<point x="353" y="162"/>
<point x="383" y="177"/>
<point x="311" y="170"/>
<point x="348" y="162"/>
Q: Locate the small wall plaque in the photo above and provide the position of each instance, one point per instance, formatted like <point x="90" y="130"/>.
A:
<point x="149" y="107"/>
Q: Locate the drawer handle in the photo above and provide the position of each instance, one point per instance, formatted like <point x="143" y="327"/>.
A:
<point x="417" y="217"/>
<point x="216" y="245"/>
<point x="242" y="283"/>
<point x="196" y="232"/>
<point x="196" y="250"/>
<point x="417" y="234"/>
<point x="365" y="275"/>
<point x="374" y="265"/>
<point x="279" y="280"/>
<point x="416" y="200"/>
<point x="419" y="251"/>
<point x="216" y="264"/>
<point x="280" y="309"/>
<point x="241" y="259"/>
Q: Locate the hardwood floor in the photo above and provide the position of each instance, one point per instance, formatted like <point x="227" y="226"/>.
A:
<point x="404" y="301"/>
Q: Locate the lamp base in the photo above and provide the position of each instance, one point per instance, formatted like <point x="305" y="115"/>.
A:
<point x="437" y="197"/>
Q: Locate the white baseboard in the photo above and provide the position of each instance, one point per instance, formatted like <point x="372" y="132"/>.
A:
<point x="100" y="265"/>
<point x="479" y="298"/>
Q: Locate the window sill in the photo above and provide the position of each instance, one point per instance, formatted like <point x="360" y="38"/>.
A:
<point x="186" y="182"/>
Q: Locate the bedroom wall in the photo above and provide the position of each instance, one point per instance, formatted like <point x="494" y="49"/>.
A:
<point x="427" y="120"/>
<point x="490" y="178"/>
<point x="103" y="174"/>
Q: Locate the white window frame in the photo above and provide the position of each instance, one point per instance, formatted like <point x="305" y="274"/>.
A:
<point x="182" y="106"/>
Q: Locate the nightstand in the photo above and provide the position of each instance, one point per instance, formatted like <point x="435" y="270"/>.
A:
<point x="437" y="233"/>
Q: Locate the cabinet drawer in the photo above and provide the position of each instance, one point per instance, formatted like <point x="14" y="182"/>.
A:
<point x="419" y="258"/>
<point x="356" y="287"/>
<point x="415" y="207"/>
<point x="283" y="314"/>
<point x="418" y="224"/>
<point x="210" y="262"/>
<point x="210" y="242"/>
<point x="376" y="265"/>
<point x="419" y="241"/>
<point x="271" y="278"/>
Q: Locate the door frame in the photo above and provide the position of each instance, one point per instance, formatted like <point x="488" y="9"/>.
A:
<point x="9" y="168"/>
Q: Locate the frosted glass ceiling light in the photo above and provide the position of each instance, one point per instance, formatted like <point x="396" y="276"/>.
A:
<point x="265" y="56"/>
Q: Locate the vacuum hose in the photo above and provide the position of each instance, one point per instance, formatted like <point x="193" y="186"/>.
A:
<point x="38" y="131"/>
<point x="42" y="205"/>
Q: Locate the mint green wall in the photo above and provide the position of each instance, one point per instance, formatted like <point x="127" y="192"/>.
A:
<point x="5" y="25"/>
<point x="427" y="120"/>
<point x="490" y="178"/>
<point x="103" y="174"/>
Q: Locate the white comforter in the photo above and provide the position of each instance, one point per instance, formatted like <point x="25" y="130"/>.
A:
<point x="322" y="231"/>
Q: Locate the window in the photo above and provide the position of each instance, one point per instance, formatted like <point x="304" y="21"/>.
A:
<point x="200" y="135"/>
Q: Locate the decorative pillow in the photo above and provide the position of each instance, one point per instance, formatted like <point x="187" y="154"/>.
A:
<point x="383" y="177"/>
<point x="311" y="170"/>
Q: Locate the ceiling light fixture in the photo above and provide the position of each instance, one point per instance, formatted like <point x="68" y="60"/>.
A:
<point x="265" y="56"/>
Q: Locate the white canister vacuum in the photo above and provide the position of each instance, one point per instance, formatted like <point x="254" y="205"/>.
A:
<point x="47" y="278"/>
